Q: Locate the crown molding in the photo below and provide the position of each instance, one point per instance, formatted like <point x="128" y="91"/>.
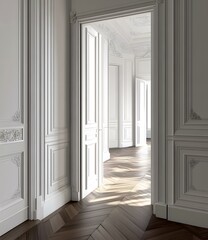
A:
<point x="158" y="2"/>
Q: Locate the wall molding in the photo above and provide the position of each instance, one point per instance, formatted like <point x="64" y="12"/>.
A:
<point x="188" y="216"/>
<point x="73" y="17"/>
<point x="11" y="135"/>
<point x="194" y="115"/>
<point x="16" y="159"/>
<point x="53" y="185"/>
<point x="186" y="117"/>
<point x="188" y="159"/>
<point x="50" y="129"/>
<point x="17" y="116"/>
<point x="160" y="210"/>
<point x="158" y="2"/>
<point x="18" y="99"/>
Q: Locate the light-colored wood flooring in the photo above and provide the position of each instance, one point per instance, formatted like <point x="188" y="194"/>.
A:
<point x="119" y="210"/>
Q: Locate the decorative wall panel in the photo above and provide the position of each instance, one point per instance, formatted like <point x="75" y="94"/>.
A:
<point x="57" y="88"/>
<point x="113" y="135"/>
<point x="56" y="189"/>
<point x="128" y="133"/>
<point x="191" y="70"/>
<point x="11" y="181"/>
<point x="191" y="166"/>
<point x="11" y="135"/>
<point x="113" y="106"/>
<point x="13" y="113"/>
<point x="187" y="116"/>
<point x="58" y="166"/>
<point x="12" y="35"/>
<point x="128" y="91"/>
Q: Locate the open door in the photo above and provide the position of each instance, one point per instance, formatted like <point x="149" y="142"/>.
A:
<point x="89" y="121"/>
<point x="140" y="112"/>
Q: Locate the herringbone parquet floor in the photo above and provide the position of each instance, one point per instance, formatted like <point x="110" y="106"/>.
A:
<point x="119" y="210"/>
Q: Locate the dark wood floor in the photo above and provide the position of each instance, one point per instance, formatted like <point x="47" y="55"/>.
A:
<point x="119" y="210"/>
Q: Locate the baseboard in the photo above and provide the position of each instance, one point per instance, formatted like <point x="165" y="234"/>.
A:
<point x="188" y="216"/>
<point x="126" y="144"/>
<point x="75" y="196"/>
<point x="148" y="134"/>
<point x="10" y="223"/>
<point x="160" y="210"/>
<point x="55" y="201"/>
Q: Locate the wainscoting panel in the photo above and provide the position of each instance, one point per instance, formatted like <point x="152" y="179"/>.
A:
<point x="127" y="96"/>
<point x="121" y="95"/>
<point x="113" y="135"/>
<point x="57" y="84"/>
<point x="191" y="71"/>
<point x="12" y="35"/>
<point x="188" y="134"/>
<point x="127" y="135"/>
<point x="13" y="113"/>
<point x="191" y="166"/>
<point x="114" y="106"/>
<point x="56" y="168"/>
<point x="14" y="190"/>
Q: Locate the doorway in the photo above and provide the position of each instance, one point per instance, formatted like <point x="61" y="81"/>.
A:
<point x="76" y="94"/>
<point x="115" y="69"/>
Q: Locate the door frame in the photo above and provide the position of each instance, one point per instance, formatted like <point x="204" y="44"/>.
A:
<point x="76" y="21"/>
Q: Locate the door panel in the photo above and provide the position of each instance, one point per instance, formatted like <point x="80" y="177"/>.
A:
<point x="89" y="155"/>
<point x="140" y="112"/>
<point x="13" y="109"/>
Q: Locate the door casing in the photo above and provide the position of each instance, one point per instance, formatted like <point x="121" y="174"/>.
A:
<point x="76" y="22"/>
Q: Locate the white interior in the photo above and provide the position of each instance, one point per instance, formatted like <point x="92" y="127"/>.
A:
<point x="40" y="103"/>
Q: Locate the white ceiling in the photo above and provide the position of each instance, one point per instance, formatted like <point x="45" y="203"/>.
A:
<point x="130" y="34"/>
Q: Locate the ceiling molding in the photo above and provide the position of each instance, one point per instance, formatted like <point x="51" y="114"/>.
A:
<point x="128" y="34"/>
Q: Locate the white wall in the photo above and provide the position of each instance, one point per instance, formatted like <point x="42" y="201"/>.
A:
<point x="143" y="71"/>
<point x="188" y="128"/>
<point x="143" y="68"/>
<point x="113" y="96"/>
<point x="180" y="130"/>
<point x="50" y="108"/>
<point x="121" y="101"/>
<point x="82" y="7"/>
<point x="13" y="113"/>
<point x="56" y="111"/>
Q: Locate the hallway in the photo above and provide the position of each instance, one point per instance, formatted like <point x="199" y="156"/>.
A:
<point x="119" y="210"/>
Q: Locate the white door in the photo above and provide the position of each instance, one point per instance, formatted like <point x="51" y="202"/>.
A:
<point x="113" y="106"/>
<point x="13" y="114"/>
<point x="140" y="112"/>
<point x="89" y="121"/>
